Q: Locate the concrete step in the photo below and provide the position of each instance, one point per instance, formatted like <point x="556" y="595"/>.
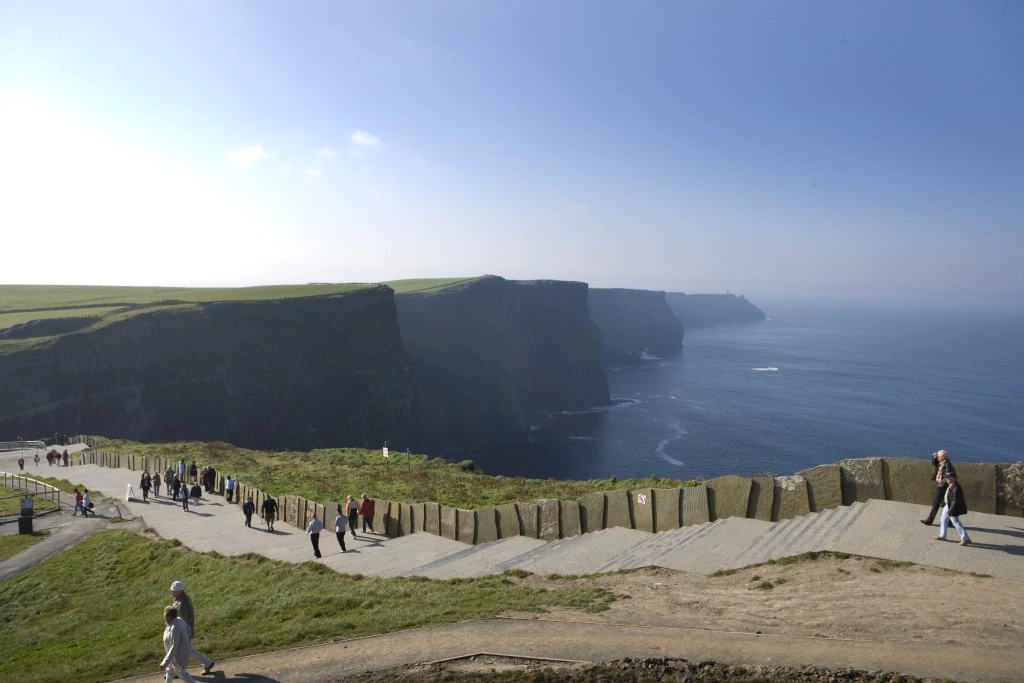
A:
<point x="479" y="560"/>
<point x="712" y="551"/>
<point x="776" y="541"/>
<point x="806" y="540"/>
<point x="585" y="556"/>
<point x="649" y="551"/>
<point x="757" y="546"/>
<point x="843" y="524"/>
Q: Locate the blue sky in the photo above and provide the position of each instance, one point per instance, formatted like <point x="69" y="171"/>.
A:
<point x="861" y="150"/>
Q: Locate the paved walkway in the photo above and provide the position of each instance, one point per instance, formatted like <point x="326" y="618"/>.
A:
<point x="603" y="642"/>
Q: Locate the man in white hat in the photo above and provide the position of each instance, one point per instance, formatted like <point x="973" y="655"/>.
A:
<point x="183" y="605"/>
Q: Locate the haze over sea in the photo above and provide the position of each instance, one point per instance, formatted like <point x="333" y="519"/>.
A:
<point x="812" y="384"/>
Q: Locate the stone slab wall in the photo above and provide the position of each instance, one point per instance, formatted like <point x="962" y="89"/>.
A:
<point x="824" y="487"/>
<point x="549" y="524"/>
<point x="432" y="518"/>
<point x="695" y="505"/>
<point x="486" y="525"/>
<point x="467" y="526"/>
<point x="667" y="506"/>
<point x="762" y="496"/>
<point x="592" y="512"/>
<point x="728" y="496"/>
<point x="791" y="498"/>
<point x="910" y="481"/>
<point x="643" y="509"/>
<point x="979" y="485"/>
<point x="529" y="519"/>
<point x="862" y="480"/>
<point x="508" y="520"/>
<point x="617" y="509"/>
<point x="569" y="518"/>
<point x="449" y="522"/>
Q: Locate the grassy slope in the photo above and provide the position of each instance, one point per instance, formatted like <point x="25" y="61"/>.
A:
<point x="10" y="502"/>
<point x="21" y="303"/>
<point x="427" y="285"/>
<point x="331" y="474"/>
<point x="12" y="545"/>
<point x="95" y="612"/>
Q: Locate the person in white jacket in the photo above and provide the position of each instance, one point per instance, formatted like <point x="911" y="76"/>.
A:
<point x="314" y="529"/>
<point x="177" y="646"/>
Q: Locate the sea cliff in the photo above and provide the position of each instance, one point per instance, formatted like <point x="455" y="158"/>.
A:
<point x="706" y="310"/>
<point x="488" y="353"/>
<point x="634" y="321"/>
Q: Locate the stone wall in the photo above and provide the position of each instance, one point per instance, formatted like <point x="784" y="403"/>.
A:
<point x="988" y="488"/>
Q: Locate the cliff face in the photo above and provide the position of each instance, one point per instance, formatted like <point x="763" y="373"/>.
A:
<point x="705" y="310"/>
<point x="489" y="353"/>
<point x="301" y="372"/>
<point x="633" y="321"/>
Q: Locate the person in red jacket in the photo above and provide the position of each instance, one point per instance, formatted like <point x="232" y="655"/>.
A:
<point x="366" y="510"/>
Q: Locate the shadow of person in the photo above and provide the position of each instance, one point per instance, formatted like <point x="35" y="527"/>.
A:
<point x="1016" y="532"/>
<point x="240" y="677"/>
<point x="1008" y="549"/>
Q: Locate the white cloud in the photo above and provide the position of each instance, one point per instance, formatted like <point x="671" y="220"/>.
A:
<point x="246" y="155"/>
<point x="285" y="168"/>
<point x="314" y="172"/>
<point x="375" y="195"/>
<point x="361" y="138"/>
<point x="325" y="152"/>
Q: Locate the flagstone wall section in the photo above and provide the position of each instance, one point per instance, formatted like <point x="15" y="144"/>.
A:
<point x="986" y="487"/>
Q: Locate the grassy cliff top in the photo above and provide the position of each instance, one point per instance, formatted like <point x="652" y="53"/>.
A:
<point x="429" y="285"/>
<point x="332" y="474"/>
<point x="37" y="297"/>
<point x="20" y="304"/>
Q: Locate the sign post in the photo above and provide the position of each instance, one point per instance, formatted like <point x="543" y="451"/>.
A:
<point x="386" y="459"/>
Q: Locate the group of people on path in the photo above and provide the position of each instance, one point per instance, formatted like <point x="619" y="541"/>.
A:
<point x="52" y="458"/>
<point x="949" y="497"/>
<point x="82" y="503"/>
<point x="348" y="517"/>
<point x="179" y="634"/>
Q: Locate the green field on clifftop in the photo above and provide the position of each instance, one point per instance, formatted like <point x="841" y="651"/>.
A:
<point x="427" y="286"/>
<point x="331" y="474"/>
<point x="95" y="612"/>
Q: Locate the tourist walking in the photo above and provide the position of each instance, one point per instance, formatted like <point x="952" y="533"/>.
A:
<point x="156" y="484"/>
<point x="65" y="457"/>
<point x="314" y="529"/>
<point x="175" y="487"/>
<point x="37" y="458"/>
<point x="211" y="479"/>
<point x="943" y="465"/>
<point x="183" y="603"/>
<point x="269" y="512"/>
<point x="339" y="529"/>
<point x="352" y="510"/>
<point x="168" y="478"/>
<point x="177" y="647"/>
<point x="184" y="492"/>
<point x="21" y="463"/>
<point x="86" y="503"/>
<point x="78" y="504"/>
<point x="366" y="510"/>
<point x="229" y="488"/>
<point x="145" y="483"/>
<point x="248" y="507"/>
<point x="193" y="472"/>
<point x="181" y="469"/>
<point x="196" y="492"/>
<point x="955" y="505"/>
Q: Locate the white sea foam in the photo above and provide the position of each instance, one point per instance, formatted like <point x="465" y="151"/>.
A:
<point x="765" y="369"/>
<point x="581" y="438"/>
<point x="677" y="428"/>
<point x="616" y="404"/>
<point x="649" y="356"/>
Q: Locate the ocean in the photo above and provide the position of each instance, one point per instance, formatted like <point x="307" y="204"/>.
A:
<point x="812" y="384"/>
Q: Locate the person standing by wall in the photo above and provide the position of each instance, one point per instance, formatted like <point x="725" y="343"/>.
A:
<point x="156" y="484"/>
<point x="65" y="456"/>
<point x="183" y="604"/>
<point x="248" y="507"/>
<point x="339" y="528"/>
<point x="352" y="510"/>
<point x="229" y="488"/>
<point x="942" y="465"/>
<point x="955" y="505"/>
<point x="175" y="486"/>
<point x="314" y="529"/>
<point x="177" y="647"/>
<point x="366" y="510"/>
<point x="269" y="512"/>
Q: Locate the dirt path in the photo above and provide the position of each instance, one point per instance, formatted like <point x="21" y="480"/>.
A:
<point x="869" y="616"/>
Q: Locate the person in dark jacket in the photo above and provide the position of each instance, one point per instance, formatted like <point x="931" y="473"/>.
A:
<point x="942" y="465"/>
<point x="248" y="507"/>
<point x="956" y="505"/>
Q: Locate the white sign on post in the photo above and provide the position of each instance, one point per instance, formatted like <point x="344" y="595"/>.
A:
<point x="385" y="451"/>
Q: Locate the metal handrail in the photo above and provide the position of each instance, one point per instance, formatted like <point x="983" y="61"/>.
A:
<point x="31" y="486"/>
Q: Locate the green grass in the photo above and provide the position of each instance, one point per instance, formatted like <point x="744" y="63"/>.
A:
<point x="66" y="486"/>
<point x="95" y="612"/>
<point x="331" y="474"/>
<point x="12" y="545"/>
<point x="10" y="503"/>
<point x="22" y="303"/>
<point x="430" y="285"/>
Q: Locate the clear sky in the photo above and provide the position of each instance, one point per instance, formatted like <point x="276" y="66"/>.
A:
<point x="862" y="149"/>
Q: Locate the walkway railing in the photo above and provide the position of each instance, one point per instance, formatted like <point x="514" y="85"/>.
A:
<point x="19" y="482"/>
<point x="21" y="445"/>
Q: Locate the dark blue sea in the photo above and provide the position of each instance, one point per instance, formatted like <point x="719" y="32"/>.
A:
<point x="812" y="384"/>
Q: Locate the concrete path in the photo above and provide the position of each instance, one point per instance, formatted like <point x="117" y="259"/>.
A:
<point x="878" y="528"/>
<point x="602" y="642"/>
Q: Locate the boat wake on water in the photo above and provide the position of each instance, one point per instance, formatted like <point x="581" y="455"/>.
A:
<point x="765" y="369"/>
